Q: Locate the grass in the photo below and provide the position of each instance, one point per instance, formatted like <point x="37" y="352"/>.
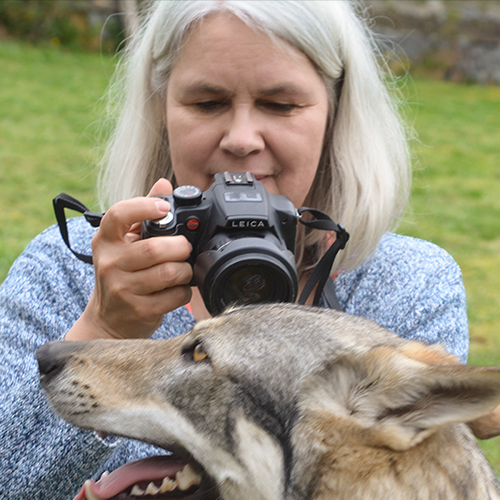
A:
<point x="456" y="201"/>
<point x="456" y="195"/>
<point x="49" y="108"/>
<point x="49" y="105"/>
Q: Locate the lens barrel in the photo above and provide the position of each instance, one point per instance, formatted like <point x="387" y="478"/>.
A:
<point x="246" y="270"/>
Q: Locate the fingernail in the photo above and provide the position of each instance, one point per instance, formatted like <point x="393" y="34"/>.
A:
<point x="162" y="206"/>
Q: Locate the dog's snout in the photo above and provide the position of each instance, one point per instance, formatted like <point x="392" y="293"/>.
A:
<point x="52" y="357"/>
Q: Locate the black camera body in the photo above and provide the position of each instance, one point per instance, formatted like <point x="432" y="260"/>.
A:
<point x="243" y="240"/>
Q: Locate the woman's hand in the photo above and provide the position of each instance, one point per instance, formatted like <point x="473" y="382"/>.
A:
<point x="137" y="281"/>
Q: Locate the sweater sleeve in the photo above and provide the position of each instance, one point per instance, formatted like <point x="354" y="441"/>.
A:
<point x="44" y="293"/>
<point x="413" y="288"/>
<point x="41" y="456"/>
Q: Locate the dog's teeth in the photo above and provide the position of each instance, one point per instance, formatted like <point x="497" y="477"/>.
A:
<point x="187" y="477"/>
<point x="137" y="491"/>
<point x="88" y="492"/>
<point x="167" y="485"/>
<point x="184" y="479"/>
<point x="152" y="489"/>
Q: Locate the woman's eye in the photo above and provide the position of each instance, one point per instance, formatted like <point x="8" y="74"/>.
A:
<point x="209" y="106"/>
<point x="280" y="107"/>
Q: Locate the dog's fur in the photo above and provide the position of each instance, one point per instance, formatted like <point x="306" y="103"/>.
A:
<point x="289" y="403"/>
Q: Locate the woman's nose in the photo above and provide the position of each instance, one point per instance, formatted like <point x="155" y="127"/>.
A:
<point x="242" y="135"/>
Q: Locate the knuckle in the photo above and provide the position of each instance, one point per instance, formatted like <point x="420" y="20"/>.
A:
<point x="186" y="294"/>
<point x="103" y="269"/>
<point x="118" y="291"/>
<point x="173" y="248"/>
<point x="186" y="248"/>
<point x="172" y="273"/>
<point x="106" y="265"/>
<point x="95" y="243"/>
<point x="113" y="216"/>
<point x="179" y="247"/>
<point x="168" y="274"/>
<point x="152" y="249"/>
<point x="180" y="295"/>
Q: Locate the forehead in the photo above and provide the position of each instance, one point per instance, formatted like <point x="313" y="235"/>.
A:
<point x="224" y="46"/>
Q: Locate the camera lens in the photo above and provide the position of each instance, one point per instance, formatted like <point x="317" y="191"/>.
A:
<point x="250" y="279"/>
<point x="250" y="285"/>
<point x="245" y="271"/>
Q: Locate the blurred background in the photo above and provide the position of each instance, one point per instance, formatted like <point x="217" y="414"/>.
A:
<point x="89" y="25"/>
<point x="57" y="58"/>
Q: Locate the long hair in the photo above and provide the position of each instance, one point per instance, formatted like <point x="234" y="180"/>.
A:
<point x="364" y="175"/>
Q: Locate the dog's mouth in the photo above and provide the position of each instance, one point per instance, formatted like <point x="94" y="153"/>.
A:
<point x="158" y="478"/>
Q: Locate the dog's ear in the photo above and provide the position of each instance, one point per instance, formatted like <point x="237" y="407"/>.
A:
<point x="487" y="427"/>
<point x="399" y="401"/>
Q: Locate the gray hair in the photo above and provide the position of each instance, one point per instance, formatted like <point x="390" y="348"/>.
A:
<point x="363" y="179"/>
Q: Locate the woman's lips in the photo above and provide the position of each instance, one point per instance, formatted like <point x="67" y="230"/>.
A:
<point x="260" y="177"/>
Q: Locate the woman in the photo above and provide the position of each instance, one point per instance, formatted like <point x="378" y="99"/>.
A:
<point x="290" y="91"/>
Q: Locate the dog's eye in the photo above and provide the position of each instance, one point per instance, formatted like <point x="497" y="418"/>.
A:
<point x="199" y="353"/>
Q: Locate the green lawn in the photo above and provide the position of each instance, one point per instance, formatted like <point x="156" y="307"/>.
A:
<point x="456" y="201"/>
<point x="49" y="107"/>
<point x="49" y="112"/>
<point x="456" y="195"/>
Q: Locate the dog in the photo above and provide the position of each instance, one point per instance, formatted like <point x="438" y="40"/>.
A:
<point x="282" y="402"/>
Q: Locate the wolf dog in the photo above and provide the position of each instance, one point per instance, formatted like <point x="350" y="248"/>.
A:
<point x="280" y="402"/>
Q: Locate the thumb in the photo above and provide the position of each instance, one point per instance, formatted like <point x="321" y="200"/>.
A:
<point x="160" y="188"/>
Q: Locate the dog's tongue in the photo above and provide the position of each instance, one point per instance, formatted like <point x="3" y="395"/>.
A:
<point x="149" y="469"/>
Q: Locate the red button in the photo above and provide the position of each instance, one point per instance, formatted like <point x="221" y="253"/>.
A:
<point x="192" y="224"/>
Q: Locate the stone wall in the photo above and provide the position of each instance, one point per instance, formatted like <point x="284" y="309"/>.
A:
<point x="456" y="40"/>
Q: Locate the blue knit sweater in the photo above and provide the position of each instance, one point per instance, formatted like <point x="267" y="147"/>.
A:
<point x="411" y="287"/>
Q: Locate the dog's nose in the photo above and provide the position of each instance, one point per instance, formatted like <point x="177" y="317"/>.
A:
<point x="53" y="356"/>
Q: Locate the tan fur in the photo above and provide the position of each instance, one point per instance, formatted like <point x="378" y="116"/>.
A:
<point x="352" y="469"/>
<point x="486" y="427"/>
<point x="319" y="405"/>
<point x="431" y="355"/>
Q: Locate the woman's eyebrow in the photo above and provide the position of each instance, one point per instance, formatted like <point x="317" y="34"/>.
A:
<point x="201" y="88"/>
<point x="288" y="88"/>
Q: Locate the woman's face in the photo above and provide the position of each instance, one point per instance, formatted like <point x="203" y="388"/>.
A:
<point x="236" y="101"/>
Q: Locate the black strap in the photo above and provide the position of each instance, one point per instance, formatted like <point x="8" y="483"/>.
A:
<point x="64" y="201"/>
<point x="322" y="271"/>
<point x="329" y="296"/>
<point x="320" y="275"/>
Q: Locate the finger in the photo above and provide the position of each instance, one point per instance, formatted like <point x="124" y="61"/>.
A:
<point x="145" y="309"/>
<point x="159" y="278"/>
<point x="171" y="299"/>
<point x="139" y="319"/>
<point x="161" y="187"/>
<point x="150" y="252"/>
<point x="122" y="216"/>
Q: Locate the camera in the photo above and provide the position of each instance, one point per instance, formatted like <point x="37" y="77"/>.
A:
<point x="243" y="240"/>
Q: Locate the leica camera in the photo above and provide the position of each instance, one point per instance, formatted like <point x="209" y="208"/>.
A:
<point x="243" y="240"/>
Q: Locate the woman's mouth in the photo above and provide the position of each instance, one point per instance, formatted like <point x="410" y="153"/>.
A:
<point x="260" y="177"/>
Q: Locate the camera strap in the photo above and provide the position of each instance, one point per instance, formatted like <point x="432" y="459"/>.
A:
<point x="63" y="201"/>
<point x="320" y="275"/>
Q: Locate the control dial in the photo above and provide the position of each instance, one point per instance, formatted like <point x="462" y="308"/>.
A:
<point x="187" y="195"/>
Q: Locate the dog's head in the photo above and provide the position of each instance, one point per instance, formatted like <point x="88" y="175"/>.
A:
<point x="251" y="397"/>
